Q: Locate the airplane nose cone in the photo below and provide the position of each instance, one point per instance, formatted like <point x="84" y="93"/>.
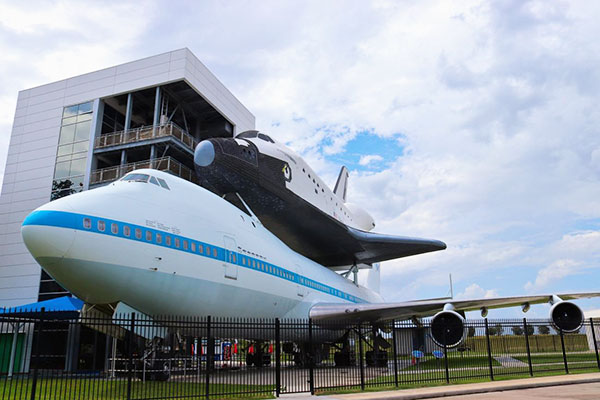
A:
<point x="204" y="154"/>
<point x="47" y="235"/>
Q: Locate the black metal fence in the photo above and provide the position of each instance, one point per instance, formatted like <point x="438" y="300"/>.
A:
<point x="51" y="355"/>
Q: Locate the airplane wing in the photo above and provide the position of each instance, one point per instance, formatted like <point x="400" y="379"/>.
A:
<point x="375" y="312"/>
<point x="377" y="247"/>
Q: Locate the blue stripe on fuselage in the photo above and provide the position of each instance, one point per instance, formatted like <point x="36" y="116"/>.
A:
<point x="62" y="219"/>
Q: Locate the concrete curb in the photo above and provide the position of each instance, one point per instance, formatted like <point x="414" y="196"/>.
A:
<point x="465" y="389"/>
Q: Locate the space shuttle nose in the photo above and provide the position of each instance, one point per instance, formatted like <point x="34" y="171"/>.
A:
<point x="204" y="154"/>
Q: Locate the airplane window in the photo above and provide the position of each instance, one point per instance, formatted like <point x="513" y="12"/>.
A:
<point x="163" y="183"/>
<point x="214" y="252"/>
<point x="265" y="138"/>
<point x="149" y="236"/>
<point x="233" y="258"/>
<point x="138" y="233"/>
<point x="114" y="228"/>
<point x="158" y="238"/>
<point x="101" y="226"/>
<point x="177" y="242"/>
<point x="200" y="249"/>
<point x="87" y="223"/>
<point x="185" y="245"/>
<point x="154" y="181"/>
<point x="247" y="135"/>
<point x="167" y="240"/>
<point x="136" y="178"/>
<point x="193" y="246"/>
<point x="126" y="230"/>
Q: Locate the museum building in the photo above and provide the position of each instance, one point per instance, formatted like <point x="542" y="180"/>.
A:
<point x="89" y="130"/>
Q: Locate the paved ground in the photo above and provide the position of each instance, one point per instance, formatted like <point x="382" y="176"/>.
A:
<point x="583" y="391"/>
<point x="577" y="387"/>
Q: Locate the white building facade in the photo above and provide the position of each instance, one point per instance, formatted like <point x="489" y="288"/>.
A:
<point x="88" y="130"/>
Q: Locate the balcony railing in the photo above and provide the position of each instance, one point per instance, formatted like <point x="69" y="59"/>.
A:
<point x="146" y="133"/>
<point x="167" y="164"/>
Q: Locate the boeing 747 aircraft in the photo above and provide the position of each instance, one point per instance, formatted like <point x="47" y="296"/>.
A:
<point x="158" y="244"/>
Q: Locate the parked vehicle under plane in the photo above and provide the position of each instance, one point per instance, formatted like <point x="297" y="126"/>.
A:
<point x="162" y="245"/>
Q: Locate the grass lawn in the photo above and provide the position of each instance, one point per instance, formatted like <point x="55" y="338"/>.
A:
<point x="558" y="358"/>
<point x="59" y="389"/>
<point x="430" y="362"/>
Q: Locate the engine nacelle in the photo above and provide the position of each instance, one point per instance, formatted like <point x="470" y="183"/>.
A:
<point x="566" y="316"/>
<point x="448" y="328"/>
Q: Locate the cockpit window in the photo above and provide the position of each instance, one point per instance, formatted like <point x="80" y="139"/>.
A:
<point x="136" y="178"/>
<point x="265" y="137"/>
<point x="247" y="135"/>
<point x="153" y="181"/>
<point x="163" y="183"/>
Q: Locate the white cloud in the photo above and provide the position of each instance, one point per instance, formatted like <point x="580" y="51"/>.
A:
<point x="369" y="159"/>
<point x="553" y="273"/>
<point x="474" y="291"/>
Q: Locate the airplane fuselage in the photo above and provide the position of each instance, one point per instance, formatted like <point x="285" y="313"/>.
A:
<point x="180" y="250"/>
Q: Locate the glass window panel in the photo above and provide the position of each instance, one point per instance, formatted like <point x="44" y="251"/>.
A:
<point x="62" y="170"/>
<point x="84" y="117"/>
<point x="77" y="181"/>
<point x="127" y="231"/>
<point x="70" y="111"/>
<point x="67" y="134"/>
<point x="154" y="181"/>
<point x="158" y="238"/>
<point x="64" y="150"/>
<point x="78" y="166"/>
<point x="87" y="223"/>
<point x="85" y="107"/>
<point x="63" y="158"/>
<point x="83" y="130"/>
<point x="81" y="146"/>
<point x="69" y="120"/>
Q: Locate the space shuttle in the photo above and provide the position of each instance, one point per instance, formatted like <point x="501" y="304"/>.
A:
<point x="290" y="199"/>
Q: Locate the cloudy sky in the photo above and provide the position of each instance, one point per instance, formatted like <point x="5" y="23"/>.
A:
<point x="475" y="123"/>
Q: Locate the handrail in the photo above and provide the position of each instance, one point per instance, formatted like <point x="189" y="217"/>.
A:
<point x="168" y="164"/>
<point x="145" y="133"/>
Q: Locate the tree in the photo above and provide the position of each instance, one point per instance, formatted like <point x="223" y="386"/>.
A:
<point x="517" y="330"/>
<point x="471" y="331"/>
<point x="543" y="330"/>
<point x="499" y="330"/>
<point x="529" y="330"/>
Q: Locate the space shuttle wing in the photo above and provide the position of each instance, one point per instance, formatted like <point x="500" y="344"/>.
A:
<point x="378" y="247"/>
<point x="374" y="312"/>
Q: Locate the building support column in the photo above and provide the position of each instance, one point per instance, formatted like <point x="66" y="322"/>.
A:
<point x="128" y="112"/>
<point x="152" y="155"/>
<point x="156" y="120"/>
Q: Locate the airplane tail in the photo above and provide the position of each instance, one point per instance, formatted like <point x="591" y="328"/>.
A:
<point x="374" y="278"/>
<point x="341" y="184"/>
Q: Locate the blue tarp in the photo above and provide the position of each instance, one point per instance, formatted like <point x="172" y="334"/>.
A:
<point x="68" y="306"/>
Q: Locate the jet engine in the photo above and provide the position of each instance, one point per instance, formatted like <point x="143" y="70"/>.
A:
<point x="448" y="328"/>
<point x="565" y="315"/>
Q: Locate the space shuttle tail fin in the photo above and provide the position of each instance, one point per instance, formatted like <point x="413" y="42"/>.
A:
<point x="341" y="184"/>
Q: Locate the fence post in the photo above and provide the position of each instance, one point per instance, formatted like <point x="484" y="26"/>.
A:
<point x="361" y="363"/>
<point x="37" y="353"/>
<point x="277" y="358"/>
<point x="311" y="371"/>
<point x="130" y="351"/>
<point x="210" y="348"/>
<point x="562" y="344"/>
<point x="489" y="349"/>
<point x="395" y="352"/>
<point x="595" y="343"/>
<point x="528" y="348"/>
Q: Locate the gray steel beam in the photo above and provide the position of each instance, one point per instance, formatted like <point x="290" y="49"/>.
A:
<point x="128" y="111"/>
